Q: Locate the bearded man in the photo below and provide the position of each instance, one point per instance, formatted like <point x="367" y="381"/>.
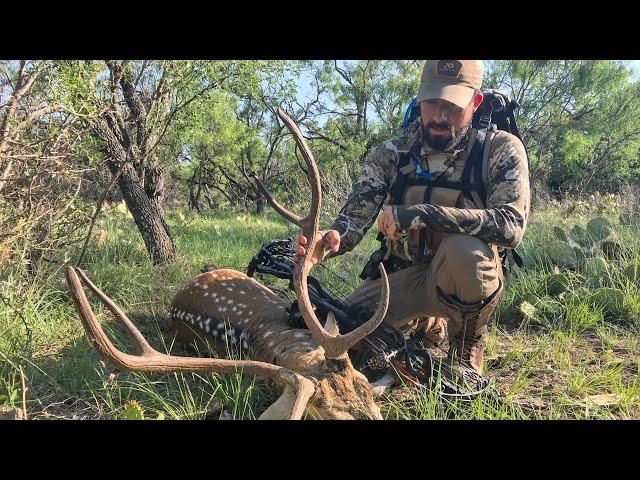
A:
<point x="450" y="200"/>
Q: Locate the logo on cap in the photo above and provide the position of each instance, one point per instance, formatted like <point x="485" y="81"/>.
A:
<point x="448" y="68"/>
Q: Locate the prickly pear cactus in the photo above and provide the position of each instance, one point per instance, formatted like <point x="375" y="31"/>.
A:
<point x="612" y="249"/>
<point x="560" y="234"/>
<point x="529" y="312"/>
<point x="599" y="228"/>
<point x="580" y="256"/>
<point x="611" y="300"/>
<point x="632" y="272"/>
<point x="561" y="254"/>
<point x="557" y="283"/>
<point x="595" y="267"/>
<point x="578" y="233"/>
<point x="132" y="411"/>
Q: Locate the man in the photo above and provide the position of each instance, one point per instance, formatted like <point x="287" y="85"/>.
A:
<point x="442" y="236"/>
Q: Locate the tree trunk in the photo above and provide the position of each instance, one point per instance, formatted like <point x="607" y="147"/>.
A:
<point x="144" y="202"/>
<point x="259" y="204"/>
<point x="147" y="213"/>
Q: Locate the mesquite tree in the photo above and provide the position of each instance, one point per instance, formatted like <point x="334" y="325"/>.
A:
<point x="141" y="102"/>
<point x="42" y="164"/>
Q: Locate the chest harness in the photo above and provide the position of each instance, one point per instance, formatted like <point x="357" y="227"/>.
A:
<point x="429" y="179"/>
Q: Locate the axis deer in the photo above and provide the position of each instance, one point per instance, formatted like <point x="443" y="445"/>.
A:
<point x="310" y="367"/>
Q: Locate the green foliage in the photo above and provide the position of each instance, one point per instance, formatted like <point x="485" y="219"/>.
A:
<point x="560" y="234"/>
<point x="612" y="250"/>
<point x="632" y="272"/>
<point x="611" y="300"/>
<point x="132" y="411"/>
<point x="599" y="228"/>
<point x="595" y="267"/>
<point x="562" y="255"/>
<point x="557" y="283"/>
<point x="580" y="120"/>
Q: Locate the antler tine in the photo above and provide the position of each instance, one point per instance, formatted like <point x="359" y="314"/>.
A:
<point x="310" y="222"/>
<point x="143" y="346"/>
<point x="150" y="360"/>
<point x="292" y="217"/>
<point x="334" y="345"/>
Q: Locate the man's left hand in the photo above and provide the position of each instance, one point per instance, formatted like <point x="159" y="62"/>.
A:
<point x="387" y="224"/>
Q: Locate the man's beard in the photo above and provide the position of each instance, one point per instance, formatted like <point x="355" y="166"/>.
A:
<point x="446" y="144"/>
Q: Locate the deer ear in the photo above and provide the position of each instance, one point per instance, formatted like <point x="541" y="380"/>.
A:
<point x="331" y="325"/>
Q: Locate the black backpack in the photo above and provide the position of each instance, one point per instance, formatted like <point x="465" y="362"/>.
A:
<point x="496" y="108"/>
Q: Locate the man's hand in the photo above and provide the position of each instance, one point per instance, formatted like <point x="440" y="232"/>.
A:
<point x="387" y="224"/>
<point x="327" y="241"/>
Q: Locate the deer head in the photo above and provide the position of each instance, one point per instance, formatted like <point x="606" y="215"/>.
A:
<point x="311" y="367"/>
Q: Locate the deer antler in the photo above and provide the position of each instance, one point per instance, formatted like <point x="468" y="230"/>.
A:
<point x="151" y="360"/>
<point x="334" y="344"/>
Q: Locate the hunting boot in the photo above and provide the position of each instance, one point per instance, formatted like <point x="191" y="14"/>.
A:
<point x="467" y="330"/>
<point x="433" y="330"/>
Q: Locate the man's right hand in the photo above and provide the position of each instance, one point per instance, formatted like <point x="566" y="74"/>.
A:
<point x="327" y="241"/>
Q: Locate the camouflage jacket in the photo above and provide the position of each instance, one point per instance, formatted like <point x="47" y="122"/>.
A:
<point x="502" y="222"/>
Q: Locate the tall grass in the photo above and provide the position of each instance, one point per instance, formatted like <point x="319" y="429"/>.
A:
<point x="548" y="366"/>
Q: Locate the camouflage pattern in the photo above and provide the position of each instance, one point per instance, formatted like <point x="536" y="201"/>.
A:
<point x="501" y="223"/>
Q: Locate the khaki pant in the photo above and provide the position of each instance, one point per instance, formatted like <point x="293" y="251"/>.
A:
<point x="464" y="267"/>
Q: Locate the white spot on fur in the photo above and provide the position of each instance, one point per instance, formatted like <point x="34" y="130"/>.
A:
<point x="230" y="289"/>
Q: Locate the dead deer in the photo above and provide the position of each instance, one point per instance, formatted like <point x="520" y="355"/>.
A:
<point x="226" y="307"/>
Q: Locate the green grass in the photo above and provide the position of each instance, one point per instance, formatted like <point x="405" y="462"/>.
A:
<point x="548" y="364"/>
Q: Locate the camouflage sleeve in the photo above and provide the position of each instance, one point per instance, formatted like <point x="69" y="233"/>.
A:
<point x="367" y="195"/>
<point x="508" y="199"/>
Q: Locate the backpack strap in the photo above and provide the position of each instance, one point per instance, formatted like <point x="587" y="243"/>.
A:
<point x="473" y="165"/>
<point x="481" y="172"/>
<point x="404" y="167"/>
